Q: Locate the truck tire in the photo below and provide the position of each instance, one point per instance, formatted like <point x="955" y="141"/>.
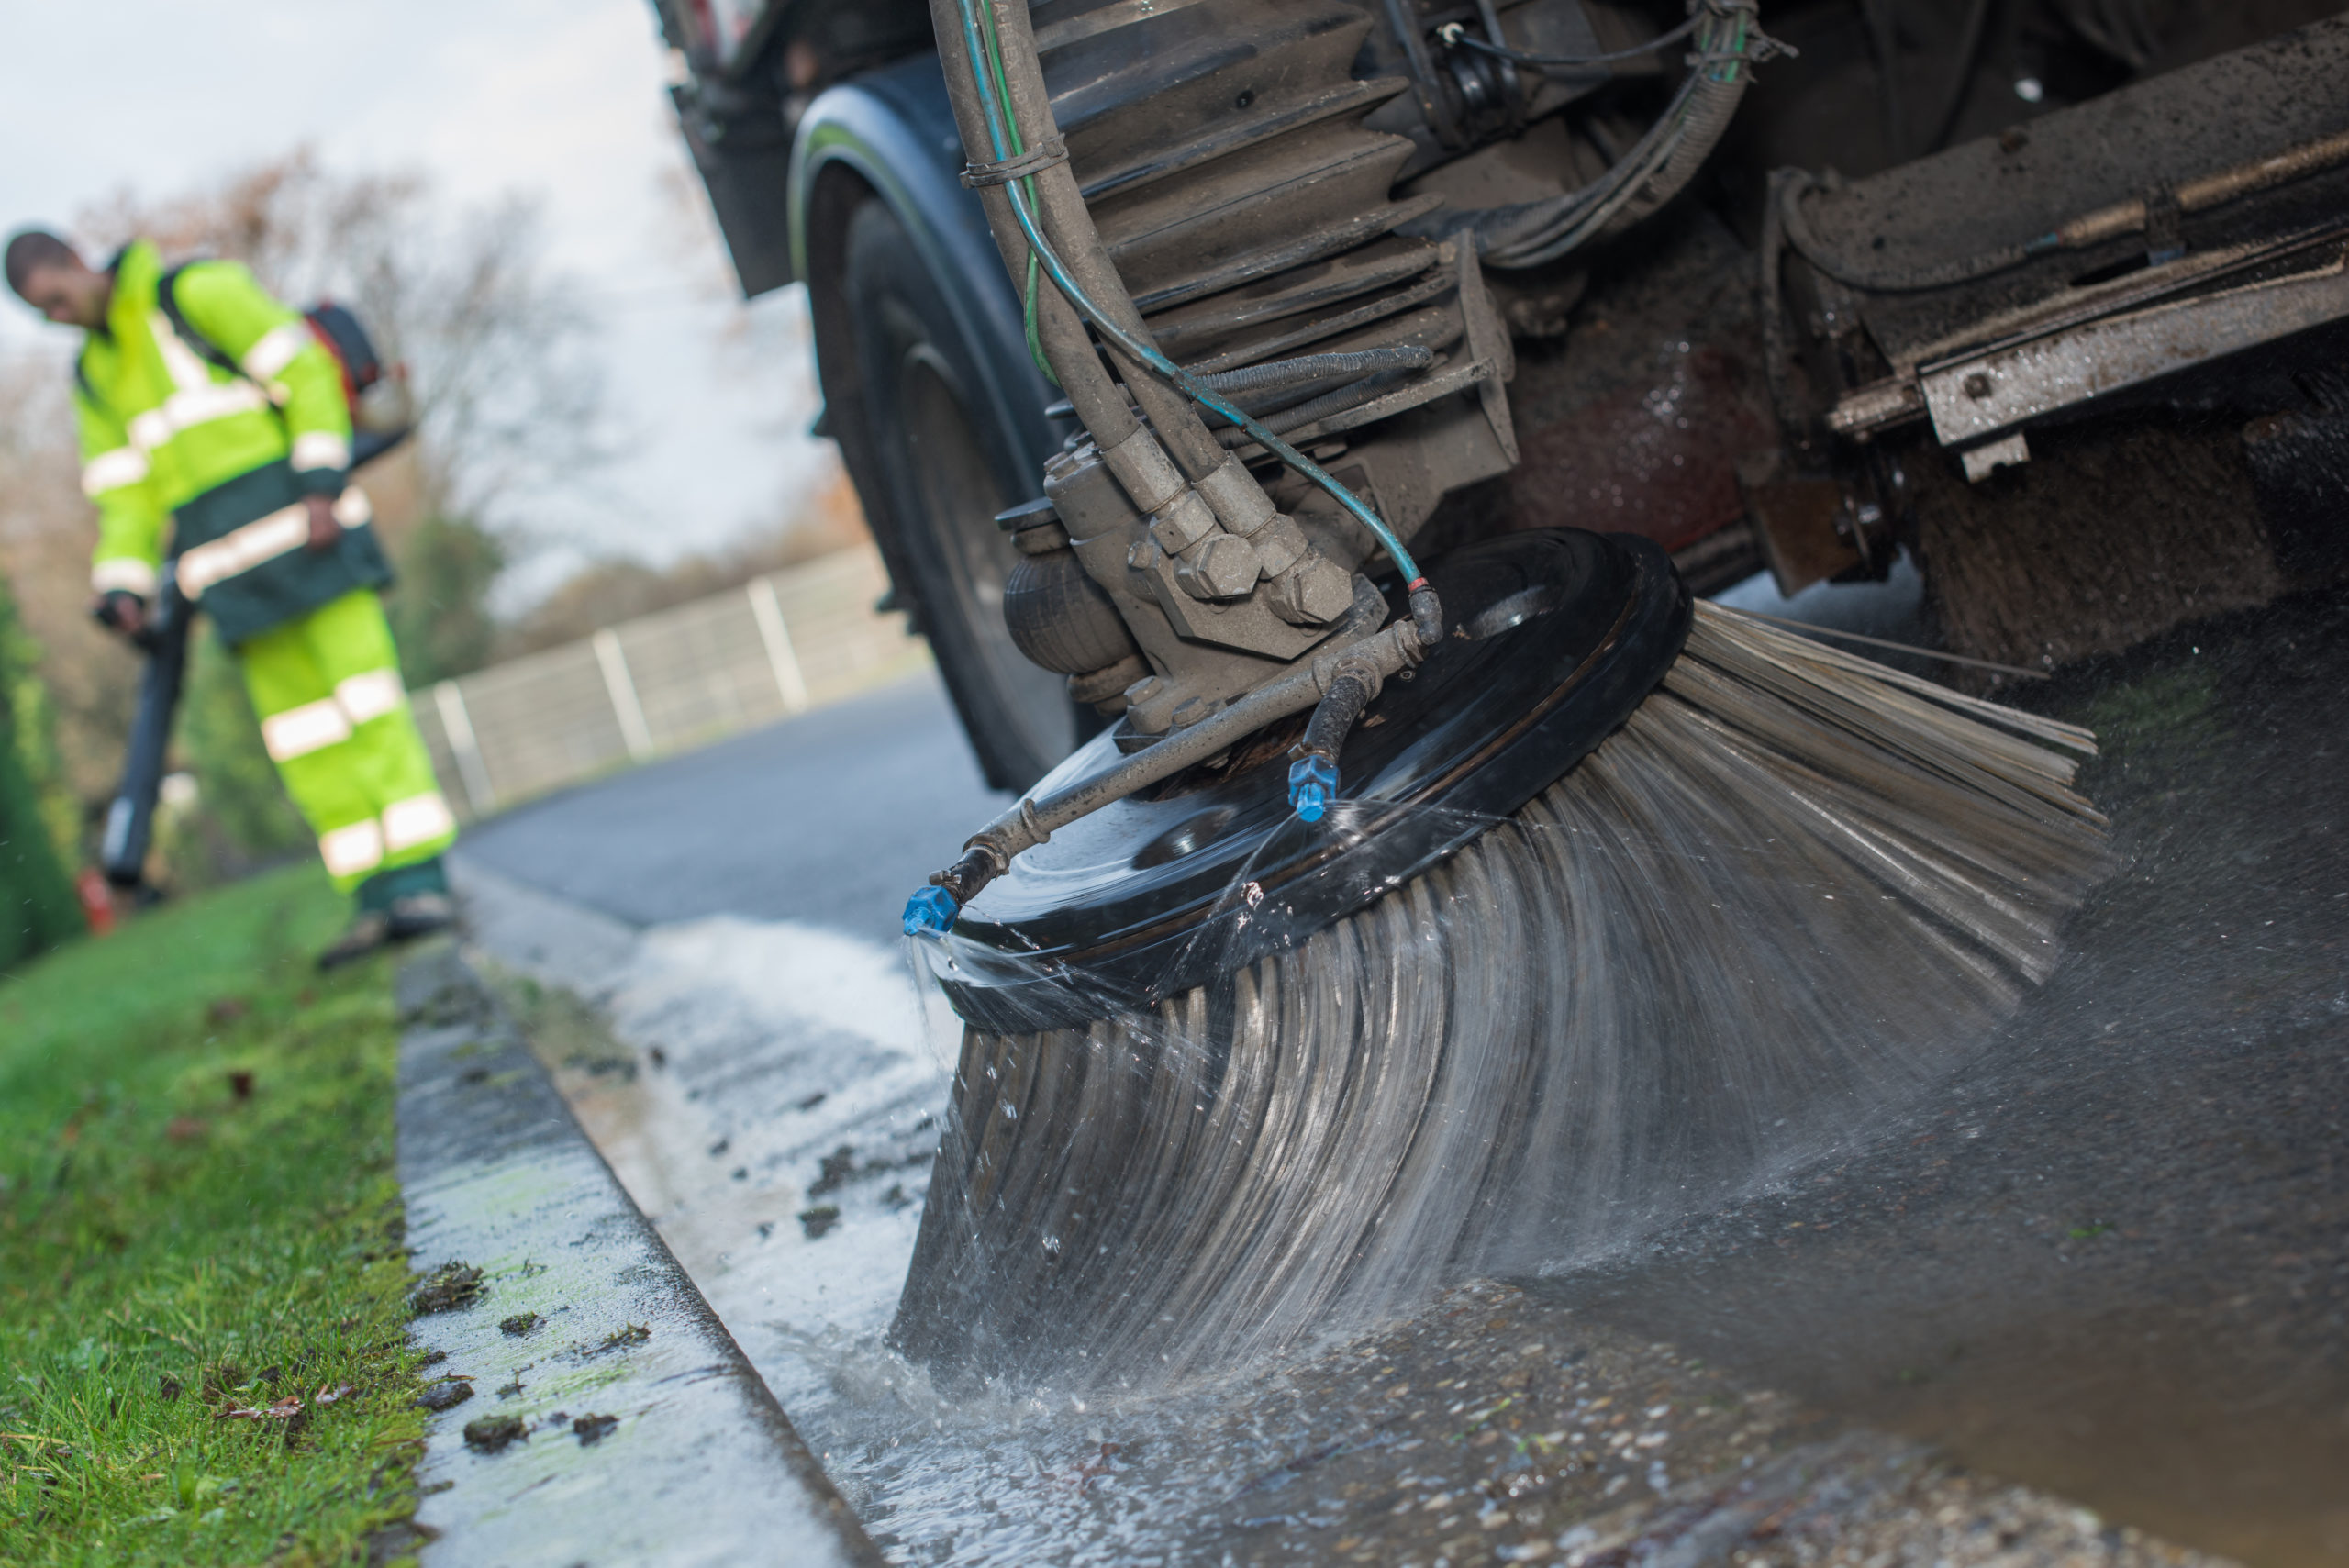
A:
<point x="944" y="464"/>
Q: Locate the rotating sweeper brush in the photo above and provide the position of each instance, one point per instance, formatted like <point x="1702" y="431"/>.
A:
<point x="1408" y="922"/>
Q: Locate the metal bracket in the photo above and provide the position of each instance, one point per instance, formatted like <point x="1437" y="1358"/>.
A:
<point x="1489" y="344"/>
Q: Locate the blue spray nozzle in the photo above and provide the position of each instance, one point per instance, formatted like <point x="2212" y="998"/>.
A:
<point x="1312" y="785"/>
<point x="931" y="912"/>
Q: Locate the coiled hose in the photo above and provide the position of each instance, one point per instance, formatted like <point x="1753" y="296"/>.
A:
<point x="1659" y="166"/>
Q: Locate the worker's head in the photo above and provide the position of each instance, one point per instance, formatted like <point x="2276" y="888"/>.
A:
<point x="51" y="277"/>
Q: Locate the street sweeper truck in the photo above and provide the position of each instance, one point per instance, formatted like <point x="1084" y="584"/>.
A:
<point x="1306" y="433"/>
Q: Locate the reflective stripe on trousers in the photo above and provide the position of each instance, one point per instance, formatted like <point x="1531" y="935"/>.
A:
<point x="298" y="731"/>
<point x="361" y="846"/>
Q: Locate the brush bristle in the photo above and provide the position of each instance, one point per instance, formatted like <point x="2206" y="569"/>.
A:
<point x="1791" y="891"/>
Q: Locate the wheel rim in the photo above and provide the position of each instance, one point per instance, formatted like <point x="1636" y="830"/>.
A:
<point x="960" y="495"/>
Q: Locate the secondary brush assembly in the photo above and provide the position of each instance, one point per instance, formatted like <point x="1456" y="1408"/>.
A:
<point x="1408" y="919"/>
<point x="1791" y="886"/>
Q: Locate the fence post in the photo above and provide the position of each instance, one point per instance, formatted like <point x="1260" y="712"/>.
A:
<point x="781" y="658"/>
<point x="457" y="726"/>
<point x="621" y="689"/>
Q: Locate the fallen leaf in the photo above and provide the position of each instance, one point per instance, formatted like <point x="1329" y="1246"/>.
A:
<point x="284" y="1409"/>
<point x="325" y="1395"/>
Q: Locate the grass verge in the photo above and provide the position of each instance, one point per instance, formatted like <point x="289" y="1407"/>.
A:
<point x="199" y="1215"/>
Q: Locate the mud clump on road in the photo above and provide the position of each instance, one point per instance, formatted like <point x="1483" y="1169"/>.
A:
<point x="591" y="1428"/>
<point x="445" y="1395"/>
<point x="445" y="1289"/>
<point x="818" y="1221"/>
<point x="519" y="1324"/>
<point x="492" y="1433"/>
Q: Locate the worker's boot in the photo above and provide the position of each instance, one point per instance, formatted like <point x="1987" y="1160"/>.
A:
<point x="369" y="929"/>
<point x="421" y="914"/>
<point x="397" y="905"/>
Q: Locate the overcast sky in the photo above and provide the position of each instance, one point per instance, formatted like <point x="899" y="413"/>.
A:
<point x="560" y="100"/>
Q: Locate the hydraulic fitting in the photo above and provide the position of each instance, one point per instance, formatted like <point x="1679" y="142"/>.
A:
<point x="1182" y="523"/>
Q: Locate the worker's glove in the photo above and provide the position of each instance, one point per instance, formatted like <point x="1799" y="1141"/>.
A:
<point x="325" y="531"/>
<point x="120" y="610"/>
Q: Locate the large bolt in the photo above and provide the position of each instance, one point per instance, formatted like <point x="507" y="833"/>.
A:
<point x="1278" y="544"/>
<point x="1222" y="567"/>
<point x="1194" y="709"/>
<point x="1314" y="591"/>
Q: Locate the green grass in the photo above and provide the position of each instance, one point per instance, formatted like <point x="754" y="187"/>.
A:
<point x="197" y="1213"/>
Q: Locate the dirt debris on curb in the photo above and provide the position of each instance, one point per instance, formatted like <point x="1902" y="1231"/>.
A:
<point x="445" y="1395"/>
<point x="446" y="1288"/>
<point x="492" y="1433"/>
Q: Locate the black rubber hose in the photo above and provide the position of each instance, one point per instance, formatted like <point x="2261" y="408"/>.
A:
<point x="1339" y="709"/>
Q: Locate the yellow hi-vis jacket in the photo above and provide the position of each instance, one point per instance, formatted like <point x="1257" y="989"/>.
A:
<point x="212" y="463"/>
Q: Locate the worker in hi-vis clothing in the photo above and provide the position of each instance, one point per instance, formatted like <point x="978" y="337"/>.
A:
<point x="239" y="476"/>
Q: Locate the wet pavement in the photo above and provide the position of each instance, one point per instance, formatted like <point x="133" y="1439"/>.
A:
<point x="2114" y="1256"/>
<point x="585" y="1403"/>
<point x="2109" y="1258"/>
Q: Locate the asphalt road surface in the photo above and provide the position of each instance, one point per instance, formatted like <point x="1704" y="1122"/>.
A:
<point x="832" y="819"/>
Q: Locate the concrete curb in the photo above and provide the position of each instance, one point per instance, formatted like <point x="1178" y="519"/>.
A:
<point x="635" y="1431"/>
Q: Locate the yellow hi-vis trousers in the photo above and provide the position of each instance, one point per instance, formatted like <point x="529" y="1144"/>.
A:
<point x="334" y="714"/>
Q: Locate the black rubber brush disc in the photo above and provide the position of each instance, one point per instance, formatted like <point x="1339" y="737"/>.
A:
<point x="1556" y="637"/>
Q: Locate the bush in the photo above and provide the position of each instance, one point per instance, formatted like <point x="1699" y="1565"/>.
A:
<point x="38" y="908"/>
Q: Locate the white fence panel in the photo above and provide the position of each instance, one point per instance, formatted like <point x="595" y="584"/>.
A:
<point x="665" y="682"/>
